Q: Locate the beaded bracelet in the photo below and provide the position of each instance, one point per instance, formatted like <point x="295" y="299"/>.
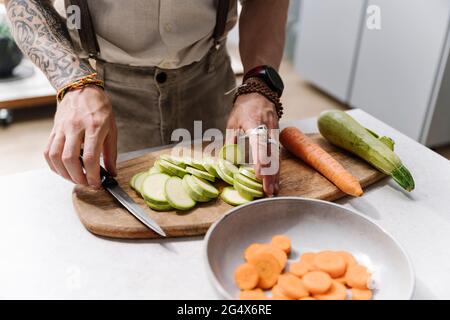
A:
<point x="80" y="83"/>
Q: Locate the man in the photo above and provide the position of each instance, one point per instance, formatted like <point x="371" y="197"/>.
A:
<point x="159" y="65"/>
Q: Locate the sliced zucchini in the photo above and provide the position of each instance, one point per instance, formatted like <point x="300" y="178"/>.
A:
<point x="139" y="181"/>
<point x="193" y="192"/>
<point x="153" y="188"/>
<point x="246" y="191"/>
<point x="227" y="167"/>
<point x="176" y="195"/>
<point x="197" y="164"/>
<point x="209" y="164"/>
<point x="249" y="173"/>
<point x="174" y="160"/>
<point x="172" y="169"/>
<point x="133" y="180"/>
<point x="206" y="188"/>
<point x="153" y="170"/>
<point x="233" y="197"/>
<point x="232" y="153"/>
<point x="247" y="182"/>
<point x="225" y="177"/>
<point x="201" y="174"/>
<point x="158" y="207"/>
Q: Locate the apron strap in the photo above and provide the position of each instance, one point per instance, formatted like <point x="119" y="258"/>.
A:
<point x="223" y="8"/>
<point x="88" y="36"/>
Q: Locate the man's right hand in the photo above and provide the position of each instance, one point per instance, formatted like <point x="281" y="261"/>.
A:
<point x="83" y="116"/>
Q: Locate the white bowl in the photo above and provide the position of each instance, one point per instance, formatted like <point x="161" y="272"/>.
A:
<point x="312" y="225"/>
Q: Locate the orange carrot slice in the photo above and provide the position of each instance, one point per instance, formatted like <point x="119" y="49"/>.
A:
<point x="308" y="259"/>
<point x="317" y="282"/>
<point x="341" y="280"/>
<point x="279" y="254"/>
<point x="268" y="269"/>
<point x="256" y="294"/>
<point x="303" y="147"/>
<point x="358" y="294"/>
<point x="282" y="242"/>
<point x="331" y="263"/>
<point x="299" y="269"/>
<point x="251" y="250"/>
<point x="307" y="298"/>
<point x="336" y="292"/>
<point x="348" y="258"/>
<point x="292" y="286"/>
<point x="246" y="276"/>
<point x="278" y="294"/>
<point x="357" y="277"/>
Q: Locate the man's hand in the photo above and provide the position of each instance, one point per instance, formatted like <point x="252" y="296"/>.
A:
<point x="83" y="116"/>
<point x="249" y="112"/>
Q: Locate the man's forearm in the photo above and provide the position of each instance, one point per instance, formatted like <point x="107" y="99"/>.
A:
<point x="43" y="36"/>
<point x="262" y="32"/>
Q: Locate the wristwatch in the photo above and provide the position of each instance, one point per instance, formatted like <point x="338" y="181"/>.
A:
<point x="269" y="76"/>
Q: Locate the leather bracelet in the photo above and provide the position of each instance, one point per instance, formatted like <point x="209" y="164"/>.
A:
<point x="80" y="83"/>
<point x="253" y="85"/>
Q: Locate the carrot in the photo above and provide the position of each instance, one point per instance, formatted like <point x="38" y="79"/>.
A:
<point x="282" y="242"/>
<point x="307" y="298"/>
<point x="256" y="294"/>
<point x="246" y="276"/>
<point x="358" y="294"/>
<point x="317" y="282"/>
<point x="308" y="259"/>
<point x="341" y="280"/>
<point x="292" y="286"/>
<point x="357" y="277"/>
<point x="348" y="258"/>
<point x="299" y="269"/>
<point x="279" y="254"/>
<point x="268" y="269"/>
<point x="336" y="292"/>
<point x="311" y="153"/>
<point x="331" y="263"/>
<point x="278" y="294"/>
<point x="251" y="250"/>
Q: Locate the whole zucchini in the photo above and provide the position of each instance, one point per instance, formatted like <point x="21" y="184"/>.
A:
<point x="343" y="131"/>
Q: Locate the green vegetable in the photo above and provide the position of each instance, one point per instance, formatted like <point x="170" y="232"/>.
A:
<point x="158" y="207"/>
<point x="250" y="183"/>
<point x="234" y="198"/>
<point x="176" y="195"/>
<point x="232" y="153"/>
<point x="193" y="192"/>
<point x="249" y="173"/>
<point x="224" y="176"/>
<point x="342" y="130"/>
<point x="171" y="169"/>
<point x="138" y="182"/>
<point x="153" y="188"/>
<point x="201" y="174"/>
<point x="207" y="189"/>
<point x="246" y="191"/>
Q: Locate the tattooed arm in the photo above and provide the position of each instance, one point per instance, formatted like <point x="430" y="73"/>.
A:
<point x="85" y="115"/>
<point x="43" y="36"/>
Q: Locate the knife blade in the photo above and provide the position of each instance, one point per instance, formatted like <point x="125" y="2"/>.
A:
<point x="112" y="186"/>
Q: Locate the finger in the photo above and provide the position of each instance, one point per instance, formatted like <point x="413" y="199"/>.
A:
<point x="110" y="152"/>
<point x="55" y="154"/>
<point x="71" y="158"/>
<point x="91" y="159"/>
<point x="47" y="152"/>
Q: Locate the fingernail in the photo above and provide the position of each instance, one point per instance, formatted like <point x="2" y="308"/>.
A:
<point x="270" y="190"/>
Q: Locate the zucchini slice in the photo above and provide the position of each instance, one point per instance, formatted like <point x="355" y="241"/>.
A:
<point x="139" y="181"/>
<point x="153" y="188"/>
<point x="225" y="177"/>
<point x="172" y="169"/>
<point x="201" y="174"/>
<point x="174" y="160"/>
<point x="194" y="193"/>
<point x="176" y="195"/>
<point x="249" y="173"/>
<point x="232" y="153"/>
<point x="158" y="207"/>
<point x="248" y="192"/>
<point x="206" y="188"/>
<point x="247" y="182"/>
<point x="233" y="197"/>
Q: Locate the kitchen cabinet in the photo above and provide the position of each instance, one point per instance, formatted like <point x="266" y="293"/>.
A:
<point x="399" y="67"/>
<point x="327" y="43"/>
<point x="398" y="73"/>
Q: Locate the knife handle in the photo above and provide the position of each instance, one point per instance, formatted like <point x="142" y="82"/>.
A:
<point x="106" y="178"/>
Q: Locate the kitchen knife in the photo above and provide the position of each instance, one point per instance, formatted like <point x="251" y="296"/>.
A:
<point x="111" y="185"/>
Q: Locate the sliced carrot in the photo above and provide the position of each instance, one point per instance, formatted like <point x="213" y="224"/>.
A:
<point x="251" y="250"/>
<point x="292" y="286"/>
<point x="278" y="294"/>
<point x="299" y="269"/>
<point x="358" y="294"/>
<point x="282" y="242"/>
<point x="348" y="258"/>
<point x="331" y="263"/>
<point x="341" y="280"/>
<point x="336" y="292"/>
<point x="279" y="254"/>
<point x="256" y="294"/>
<point x="308" y="259"/>
<point x="317" y="282"/>
<point x="246" y="276"/>
<point x="303" y="147"/>
<point x="307" y="298"/>
<point x="357" y="277"/>
<point x="268" y="269"/>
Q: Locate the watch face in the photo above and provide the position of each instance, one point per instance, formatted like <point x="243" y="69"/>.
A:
<point x="275" y="79"/>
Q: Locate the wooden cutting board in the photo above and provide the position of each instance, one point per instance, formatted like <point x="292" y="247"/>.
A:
<point x="103" y="216"/>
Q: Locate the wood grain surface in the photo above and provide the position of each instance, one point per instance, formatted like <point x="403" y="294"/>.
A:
<point x="103" y="215"/>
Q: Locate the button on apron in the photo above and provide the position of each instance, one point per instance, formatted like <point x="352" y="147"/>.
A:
<point x="161" y="77"/>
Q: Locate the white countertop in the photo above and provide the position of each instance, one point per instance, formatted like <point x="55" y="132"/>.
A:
<point x="45" y="252"/>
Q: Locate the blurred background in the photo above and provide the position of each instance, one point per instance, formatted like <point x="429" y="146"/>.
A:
<point x="387" y="57"/>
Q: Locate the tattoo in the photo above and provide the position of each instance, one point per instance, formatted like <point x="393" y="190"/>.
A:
<point x="43" y="36"/>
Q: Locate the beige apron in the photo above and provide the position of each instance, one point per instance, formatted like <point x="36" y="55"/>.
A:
<point x="149" y="102"/>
